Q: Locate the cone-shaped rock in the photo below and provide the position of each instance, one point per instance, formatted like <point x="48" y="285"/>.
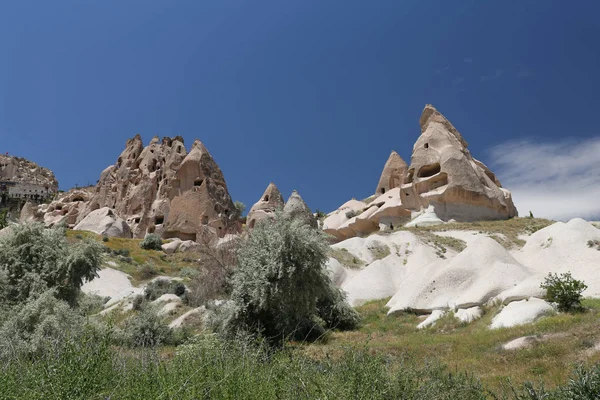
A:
<point x="393" y="175"/>
<point x="443" y="174"/>
<point x="265" y="207"/>
<point x="200" y="198"/>
<point x="295" y="207"/>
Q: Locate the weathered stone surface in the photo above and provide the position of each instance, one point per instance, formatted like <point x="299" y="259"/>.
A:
<point x="66" y="207"/>
<point x="266" y="206"/>
<point x="104" y="222"/>
<point x="22" y="171"/>
<point x="162" y="189"/>
<point x="29" y="213"/>
<point x="295" y="207"/>
<point x="393" y="174"/>
<point x="443" y="174"/>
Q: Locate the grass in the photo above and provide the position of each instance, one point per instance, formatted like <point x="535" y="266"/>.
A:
<point x="379" y="250"/>
<point x="474" y="347"/>
<point x="346" y="258"/>
<point x="505" y="232"/>
<point x="142" y="261"/>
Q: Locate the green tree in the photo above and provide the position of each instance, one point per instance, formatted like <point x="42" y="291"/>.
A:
<point x="280" y="282"/>
<point x="564" y="290"/>
<point x="3" y="219"/>
<point x="34" y="259"/>
<point x="239" y="208"/>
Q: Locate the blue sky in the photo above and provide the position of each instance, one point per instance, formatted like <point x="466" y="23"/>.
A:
<point x="312" y="95"/>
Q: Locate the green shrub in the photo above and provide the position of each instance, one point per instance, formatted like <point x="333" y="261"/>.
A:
<point x="147" y="329"/>
<point x="564" y="290"/>
<point x="34" y="259"/>
<point x="147" y="271"/>
<point x="279" y="279"/>
<point x="158" y="287"/>
<point x="353" y="213"/>
<point x="151" y="242"/>
<point x="39" y="325"/>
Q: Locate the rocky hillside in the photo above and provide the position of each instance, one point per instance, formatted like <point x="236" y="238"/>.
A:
<point x="20" y="170"/>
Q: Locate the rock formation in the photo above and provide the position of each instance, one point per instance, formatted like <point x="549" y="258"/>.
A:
<point x="20" y="170"/>
<point x="443" y="174"/>
<point x="66" y="207"/>
<point x="161" y="188"/>
<point x="393" y="174"/>
<point x="269" y="202"/>
<point x="295" y="207"/>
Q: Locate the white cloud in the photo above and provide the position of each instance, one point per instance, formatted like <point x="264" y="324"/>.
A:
<point x="559" y="180"/>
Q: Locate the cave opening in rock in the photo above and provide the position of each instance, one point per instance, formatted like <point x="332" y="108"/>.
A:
<point x="159" y="219"/>
<point x="426" y="145"/>
<point x="198" y="182"/>
<point x="429" y="170"/>
<point x="78" y="198"/>
<point x="137" y="220"/>
<point x="382" y="190"/>
<point x="267" y="198"/>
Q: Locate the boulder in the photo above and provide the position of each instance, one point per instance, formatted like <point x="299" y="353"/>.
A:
<point x="29" y="213"/>
<point x="431" y="319"/>
<point x="393" y="174"/>
<point x="296" y="208"/>
<point x="444" y="175"/>
<point x="467" y="315"/>
<point x="266" y="206"/>
<point x="188" y="246"/>
<point x="104" y="222"/>
<point x="521" y="312"/>
<point x="172" y="246"/>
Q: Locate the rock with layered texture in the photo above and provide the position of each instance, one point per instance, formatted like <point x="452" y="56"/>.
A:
<point x="66" y="207"/>
<point x="296" y="208"/>
<point x="393" y="174"/>
<point x="269" y="203"/>
<point x="162" y="189"/>
<point x="104" y="222"/>
<point x="443" y="174"/>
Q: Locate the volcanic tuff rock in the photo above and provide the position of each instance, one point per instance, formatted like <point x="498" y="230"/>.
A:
<point x="66" y="207"/>
<point x="443" y="174"/>
<point x="393" y="174"/>
<point x="17" y="169"/>
<point x="295" y="207"/>
<point x="269" y="202"/>
<point x="161" y="188"/>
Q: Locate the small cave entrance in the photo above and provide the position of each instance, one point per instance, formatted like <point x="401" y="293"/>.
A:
<point x="426" y="145"/>
<point x="429" y="170"/>
<point x="77" y="199"/>
<point x="159" y="219"/>
<point x="266" y="198"/>
<point x="137" y="220"/>
<point x="382" y="190"/>
<point x="198" y="182"/>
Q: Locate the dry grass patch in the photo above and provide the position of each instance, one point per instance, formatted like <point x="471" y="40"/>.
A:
<point x="475" y="348"/>
<point x="346" y="258"/>
<point x="505" y="232"/>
